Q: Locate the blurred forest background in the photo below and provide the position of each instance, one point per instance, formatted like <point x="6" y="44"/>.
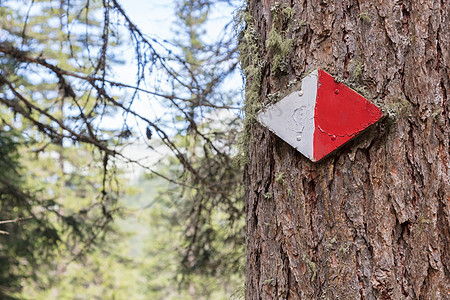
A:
<point x="120" y="173"/>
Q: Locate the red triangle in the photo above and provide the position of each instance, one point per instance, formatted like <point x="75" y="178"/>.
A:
<point x="340" y="114"/>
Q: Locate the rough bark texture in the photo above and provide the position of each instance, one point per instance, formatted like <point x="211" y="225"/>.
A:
<point x="372" y="220"/>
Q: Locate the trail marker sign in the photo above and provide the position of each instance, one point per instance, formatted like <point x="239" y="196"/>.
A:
<point x="321" y="117"/>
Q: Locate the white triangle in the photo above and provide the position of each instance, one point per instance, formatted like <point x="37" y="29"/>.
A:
<point x="292" y="118"/>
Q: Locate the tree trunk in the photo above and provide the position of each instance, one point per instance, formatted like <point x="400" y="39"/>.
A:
<point x="372" y="220"/>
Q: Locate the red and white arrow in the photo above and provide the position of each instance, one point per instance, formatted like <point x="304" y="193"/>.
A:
<point x="321" y="117"/>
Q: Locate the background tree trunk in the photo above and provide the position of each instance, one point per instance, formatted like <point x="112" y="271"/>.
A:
<point x="372" y="220"/>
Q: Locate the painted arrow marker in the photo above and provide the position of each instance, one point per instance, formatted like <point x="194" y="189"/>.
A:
<point x="321" y="117"/>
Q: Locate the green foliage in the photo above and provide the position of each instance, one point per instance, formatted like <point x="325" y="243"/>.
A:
<point x="54" y="91"/>
<point x="197" y="242"/>
<point x="239" y="293"/>
<point x="13" y="247"/>
<point x="65" y="189"/>
<point x="161" y="258"/>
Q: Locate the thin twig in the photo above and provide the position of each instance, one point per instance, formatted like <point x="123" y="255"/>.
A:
<point x="15" y="220"/>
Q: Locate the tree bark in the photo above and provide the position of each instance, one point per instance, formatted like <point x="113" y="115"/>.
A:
<point x="372" y="220"/>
